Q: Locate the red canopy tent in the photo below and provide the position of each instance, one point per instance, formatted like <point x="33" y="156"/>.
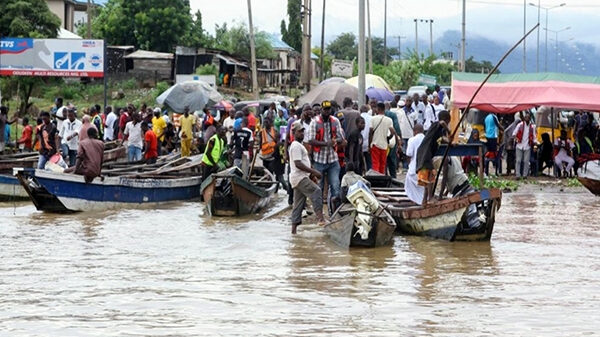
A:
<point x="509" y="93"/>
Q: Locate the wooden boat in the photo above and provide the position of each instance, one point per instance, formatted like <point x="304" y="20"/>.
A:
<point x="10" y="188"/>
<point x="228" y="193"/>
<point x="589" y="176"/>
<point x="344" y="232"/>
<point x="63" y="192"/>
<point x="443" y="219"/>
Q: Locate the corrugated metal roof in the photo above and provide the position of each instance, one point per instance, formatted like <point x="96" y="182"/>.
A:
<point x="146" y="54"/>
<point x="277" y="43"/>
<point x="231" y="60"/>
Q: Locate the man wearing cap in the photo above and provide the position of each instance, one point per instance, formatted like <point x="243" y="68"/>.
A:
<point x="324" y="134"/>
<point x="301" y="179"/>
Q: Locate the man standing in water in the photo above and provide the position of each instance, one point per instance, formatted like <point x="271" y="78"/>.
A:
<point x="301" y="179"/>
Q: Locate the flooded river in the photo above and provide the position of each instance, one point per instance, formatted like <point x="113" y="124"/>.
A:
<point x="173" y="271"/>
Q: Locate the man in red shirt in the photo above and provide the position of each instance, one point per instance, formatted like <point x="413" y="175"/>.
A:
<point x="26" y="136"/>
<point x="124" y="117"/>
<point x="150" y="144"/>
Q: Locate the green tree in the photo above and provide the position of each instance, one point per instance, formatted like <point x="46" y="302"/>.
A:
<point x="156" y="25"/>
<point x="292" y="35"/>
<point x="236" y="40"/>
<point x="326" y="61"/>
<point x="472" y="66"/>
<point x="344" y="47"/>
<point x="30" y="18"/>
<point x="197" y="36"/>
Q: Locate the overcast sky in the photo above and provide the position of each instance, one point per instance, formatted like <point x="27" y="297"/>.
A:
<point x="495" y="19"/>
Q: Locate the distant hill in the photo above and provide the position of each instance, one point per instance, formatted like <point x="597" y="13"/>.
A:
<point x="481" y="48"/>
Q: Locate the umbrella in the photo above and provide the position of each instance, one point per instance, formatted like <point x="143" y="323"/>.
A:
<point x="381" y="95"/>
<point x="333" y="79"/>
<point x="371" y="81"/>
<point x="328" y="92"/>
<point x="193" y="94"/>
<point x="223" y="105"/>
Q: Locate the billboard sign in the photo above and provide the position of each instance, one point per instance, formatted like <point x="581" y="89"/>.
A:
<point x="51" y="57"/>
<point x="342" y="68"/>
<point x="428" y="80"/>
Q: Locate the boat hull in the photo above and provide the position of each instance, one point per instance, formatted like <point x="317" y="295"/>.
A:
<point x="60" y="192"/>
<point x="591" y="184"/>
<point x="447" y="219"/>
<point x="343" y="232"/>
<point x="11" y="189"/>
<point x="232" y="195"/>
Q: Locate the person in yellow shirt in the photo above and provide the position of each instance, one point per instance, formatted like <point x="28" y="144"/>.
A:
<point x="158" y="127"/>
<point x="186" y="131"/>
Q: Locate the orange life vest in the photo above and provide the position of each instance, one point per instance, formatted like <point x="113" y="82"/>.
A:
<point x="268" y="144"/>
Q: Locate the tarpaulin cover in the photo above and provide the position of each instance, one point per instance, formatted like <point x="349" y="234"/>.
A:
<point x="509" y="93"/>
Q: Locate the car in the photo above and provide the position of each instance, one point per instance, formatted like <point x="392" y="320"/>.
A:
<point x="417" y="89"/>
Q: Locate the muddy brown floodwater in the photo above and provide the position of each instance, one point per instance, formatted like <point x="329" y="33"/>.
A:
<point x="174" y="271"/>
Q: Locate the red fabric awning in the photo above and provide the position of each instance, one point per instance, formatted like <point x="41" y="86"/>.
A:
<point x="509" y="93"/>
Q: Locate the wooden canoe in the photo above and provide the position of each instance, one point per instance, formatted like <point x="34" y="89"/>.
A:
<point x="443" y="219"/>
<point x="227" y="193"/>
<point x="343" y="232"/>
<point x="589" y="176"/>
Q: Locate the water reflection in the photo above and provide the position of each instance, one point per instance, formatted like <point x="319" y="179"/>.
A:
<point x="171" y="270"/>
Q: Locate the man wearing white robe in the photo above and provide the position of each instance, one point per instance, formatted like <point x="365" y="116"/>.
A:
<point x="411" y="186"/>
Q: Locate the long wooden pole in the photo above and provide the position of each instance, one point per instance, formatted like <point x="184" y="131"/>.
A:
<point x="322" y="72"/>
<point x="252" y="52"/>
<point x="361" y="52"/>
<point x="466" y="111"/>
<point x="370" y="45"/>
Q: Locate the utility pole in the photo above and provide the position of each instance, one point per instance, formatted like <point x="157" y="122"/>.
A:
<point x="252" y="52"/>
<point x="305" y="75"/>
<point x="537" y="51"/>
<point x="370" y="41"/>
<point x="361" y="52"/>
<point x="463" y="41"/>
<point x="431" y="37"/>
<point x="89" y="19"/>
<point x="400" y="46"/>
<point x="322" y="72"/>
<point x="417" y="38"/>
<point x="524" y="32"/>
<point x="385" y="32"/>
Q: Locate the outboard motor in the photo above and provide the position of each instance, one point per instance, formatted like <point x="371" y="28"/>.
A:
<point x="365" y="203"/>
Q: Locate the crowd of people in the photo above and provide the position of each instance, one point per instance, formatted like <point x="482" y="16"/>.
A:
<point x="306" y="147"/>
<point x="512" y="144"/>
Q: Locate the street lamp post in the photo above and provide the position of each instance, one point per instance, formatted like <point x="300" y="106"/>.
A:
<point x="556" y="41"/>
<point x="546" y="29"/>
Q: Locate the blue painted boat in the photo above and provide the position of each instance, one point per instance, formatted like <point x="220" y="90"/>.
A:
<point x="64" y="192"/>
<point x="10" y="188"/>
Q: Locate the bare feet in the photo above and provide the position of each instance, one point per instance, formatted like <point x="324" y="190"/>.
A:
<point x="294" y="226"/>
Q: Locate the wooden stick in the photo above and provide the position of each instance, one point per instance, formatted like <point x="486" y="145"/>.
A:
<point x="437" y="177"/>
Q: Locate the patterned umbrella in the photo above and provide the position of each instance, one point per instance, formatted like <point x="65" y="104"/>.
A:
<point x="193" y="94"/>
<point x="328" y="92"/>
<point x="223" y="105"/>
<point x="381" y="95"/>
<point x="371" y="81"/>
<point x="333" y="79"/>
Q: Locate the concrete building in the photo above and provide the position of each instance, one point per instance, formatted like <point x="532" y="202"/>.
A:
<point x="69" y="12"/>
